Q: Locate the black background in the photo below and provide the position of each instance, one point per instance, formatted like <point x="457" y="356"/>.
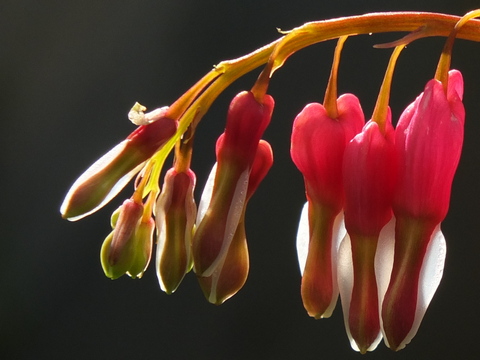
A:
<point x="69" y="73"/>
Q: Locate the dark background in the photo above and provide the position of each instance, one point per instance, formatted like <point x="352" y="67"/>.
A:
<point x="69" y="73"/>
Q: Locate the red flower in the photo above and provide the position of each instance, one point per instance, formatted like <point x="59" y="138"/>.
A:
<point x="369" y="170"/>
<point x="317" y="147"/>
<point x="429" y="140"/>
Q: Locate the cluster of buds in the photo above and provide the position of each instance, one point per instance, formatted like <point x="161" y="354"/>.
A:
<point x="213" y="241"/>
<point x="376" y="195"/>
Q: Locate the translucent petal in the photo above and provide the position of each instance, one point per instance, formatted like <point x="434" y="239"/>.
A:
<point x="345" y="283"/>
<point x="163" y="203"/>
<point x="206" y="195"/>
<point x="384" y="259"/>
<point x="233" y="218"/>
<point x="303" y="238"/>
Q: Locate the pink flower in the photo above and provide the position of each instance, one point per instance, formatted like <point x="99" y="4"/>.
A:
<point x="369" y="170"/>
<point x="429" y="139"/>
<point x="317" y="147"/>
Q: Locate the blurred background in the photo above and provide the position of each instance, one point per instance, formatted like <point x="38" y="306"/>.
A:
<point x="70" y="72"/>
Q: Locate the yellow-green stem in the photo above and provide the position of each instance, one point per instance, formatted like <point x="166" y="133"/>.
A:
<point x="445" y="59"/>
<point x="381" y="107"/>
<point x="330" y="99"/>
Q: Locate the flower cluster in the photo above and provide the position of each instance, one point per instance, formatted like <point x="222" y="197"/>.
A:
<point x="376" y="195"/>
<point x="375" y="203"/>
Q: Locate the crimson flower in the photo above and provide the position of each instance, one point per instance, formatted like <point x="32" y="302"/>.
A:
<point x="429" y="138"/>
<point x="317" y="146"/>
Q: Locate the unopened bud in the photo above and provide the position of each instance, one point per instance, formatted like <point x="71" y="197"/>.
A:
<point x="127" y="249"/>
<point x="111" y="173"/>
<point x="175" y="215"/>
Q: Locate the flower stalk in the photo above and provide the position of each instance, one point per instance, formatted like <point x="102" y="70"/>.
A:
<point x="375" y="195"/>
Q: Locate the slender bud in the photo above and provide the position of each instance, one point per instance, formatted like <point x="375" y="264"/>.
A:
<point x="103" y="180"/>
<point x="246" y="121"/>
<point x="231" y="273"/>
<point x="175" y="215"/>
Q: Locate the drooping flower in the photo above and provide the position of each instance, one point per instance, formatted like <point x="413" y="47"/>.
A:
<point x="246" y="121"/>
<point x="231" y="273"/>
<point x="111" y="173"/>
<point x="429" y="140"/>
<point x="175" y="215"/>
<point x="369" y="170"/>
<point x="319" y="136"/>
<point x="317" y="147"/>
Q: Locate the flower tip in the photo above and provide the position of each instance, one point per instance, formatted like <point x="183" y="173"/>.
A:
<point x="64" y="212"/>
<point x="396" y="341"/>
<point x="215" y="294"/>
<point x="71" y="209"/>
<point x="208" y="288"/>
<point x="135" y="276"/>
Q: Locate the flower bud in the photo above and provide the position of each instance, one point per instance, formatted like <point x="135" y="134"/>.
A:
<point x="127" y="250"/>
<point x="246" y="122"/>
<point x="103" y="180"/>
<point x="175" y="215"/>
<point x="232" y="271"/>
